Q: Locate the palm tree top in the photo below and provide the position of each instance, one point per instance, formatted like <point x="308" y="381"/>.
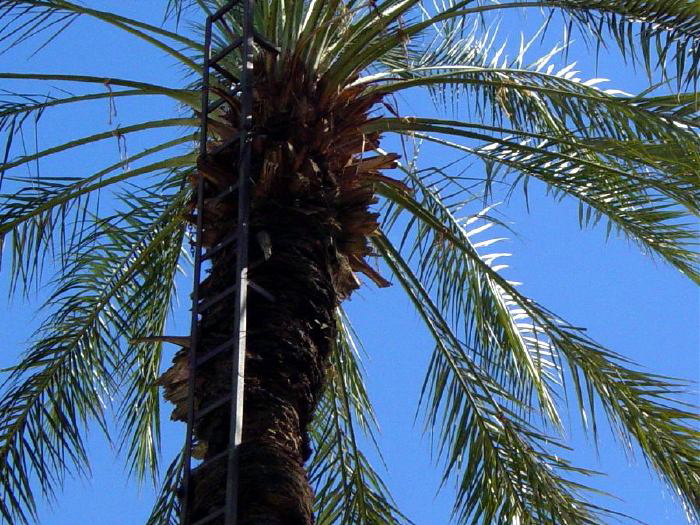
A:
<point x="501" y="361"/>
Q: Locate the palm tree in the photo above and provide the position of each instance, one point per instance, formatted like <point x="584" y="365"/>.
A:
<point x="327" y="200"/>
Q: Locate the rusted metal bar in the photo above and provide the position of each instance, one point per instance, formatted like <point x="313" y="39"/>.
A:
<point x="226" y="74"/>
<point x="265" y="43"/>
<point x="194" y="328"/>
<point x="222" y="11"/>
<point x="244" y="183"/>
<point x="225" y="51"/>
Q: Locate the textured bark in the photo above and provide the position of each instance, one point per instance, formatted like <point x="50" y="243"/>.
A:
<point x="310" y="220"/>
<point x="288" y="343"/>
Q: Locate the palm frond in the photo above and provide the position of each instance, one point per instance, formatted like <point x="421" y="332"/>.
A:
<point x="641" y="407"/>
<point x="48" y="215"/>
<point x="652" y="32"/>
<point x="150" y="125"/>
<point x="16" y="108"/>
<point x="348" y="490"/>
<point x="553" y="102"/>
<point x="640" y="201"/>
<point x="185" y="96"/>
<point x="26" y="19"/>
<point x="667" y="438"/>
<point x="166" y="509"/>
<point x="67" y="376"/>
<point x="647" y="32"/>
<point x="502" y="469"/>
<point x="22" y="22"/>
<point x="145" y="303"/>
<point x="499" y="336"/>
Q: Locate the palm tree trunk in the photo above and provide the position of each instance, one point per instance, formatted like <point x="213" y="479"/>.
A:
<point x="309" y="224"/>
<point x="288" y="343"/>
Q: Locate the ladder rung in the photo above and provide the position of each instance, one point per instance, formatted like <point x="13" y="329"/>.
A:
<point x="211" y="460"/>
<point x="210" y="517"/>
<point x="231" y="77"/>
<point x="222" y="11"/>
<point x="265" y="43"/>
<point x="224" y="146"/>
<point x="215" y="105"/>
<point x="218" y="297"/>
<point x="219" y="246"/>
<point x="216" y="404"/>
<point x="267" y="295"/>
<point x="216" y="351"/>
<point x="233" y="188"/>
<point x="225" y="51"/>
<point x="222" y="99"/>
<point x="225" y="95"/>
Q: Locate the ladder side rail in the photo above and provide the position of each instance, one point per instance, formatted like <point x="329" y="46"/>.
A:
<point x="194" y="330"/>
<point x="240" y="311"/>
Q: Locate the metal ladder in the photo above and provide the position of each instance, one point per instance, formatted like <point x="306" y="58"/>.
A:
<point x="243" y="89"/>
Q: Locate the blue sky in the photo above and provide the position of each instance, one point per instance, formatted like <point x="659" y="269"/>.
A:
<point x="634" y="305"/>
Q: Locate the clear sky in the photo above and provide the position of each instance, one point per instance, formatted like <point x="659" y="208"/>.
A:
<point x="636" y="306"/>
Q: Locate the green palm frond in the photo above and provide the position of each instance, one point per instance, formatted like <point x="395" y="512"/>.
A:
<point x="649" y="31"/>
<point x="41" y="214"/>
<point x="149" y="125"/>
<point x="503" y="342"/>
<point x="499" y="460"/>
<point x="73" y="367"/>
<point x="534" y="100"/>
<point x="639" y="406"/>
<point x="16" y="108"/>
<point x="348" y="489"/>
<point x="50" y="215"/>
<point x="630" y="159"/>
<point x="25" y="19"/>
<point x="646" y="32"/>
<point x="668" y="439"/>
<point x="641" y="201"/>
<point x="146" y="302"/>
<point x="185" y="96"/>
<point x="166" y="509"/>
<point x="23" y="22"/>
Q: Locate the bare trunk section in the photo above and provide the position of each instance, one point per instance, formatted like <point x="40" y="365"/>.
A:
<point x="288" y="344"/>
